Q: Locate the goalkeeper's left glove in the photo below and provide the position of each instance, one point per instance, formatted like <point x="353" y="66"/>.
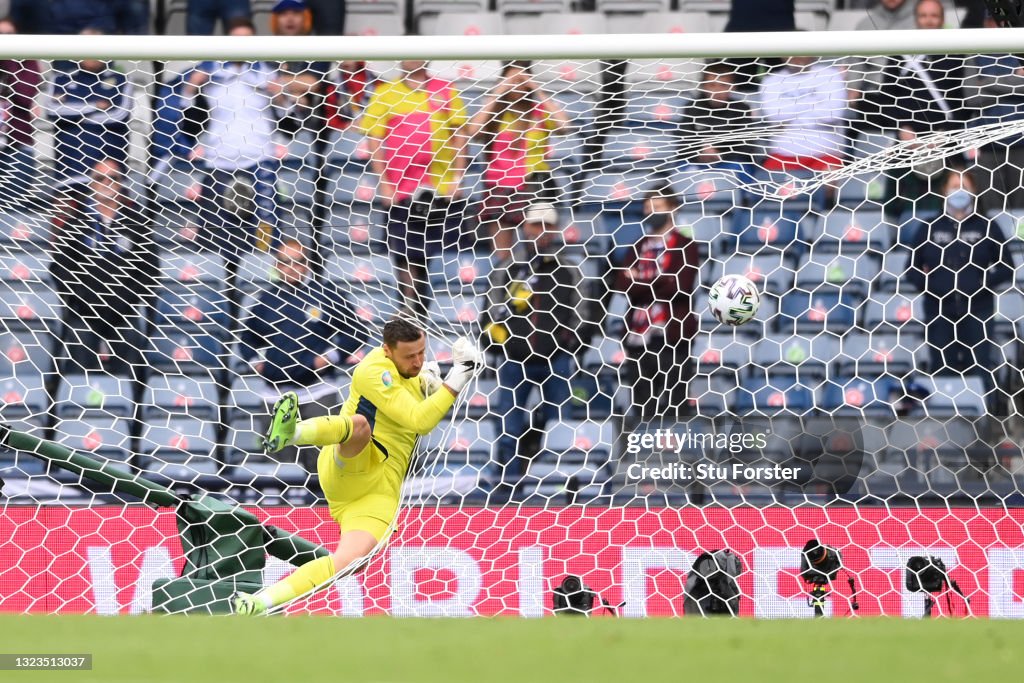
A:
<point x="430" y="377"/>
<point x="467" y="361"/>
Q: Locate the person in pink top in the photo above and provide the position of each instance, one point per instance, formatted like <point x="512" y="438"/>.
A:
<point x="415" y="128"/>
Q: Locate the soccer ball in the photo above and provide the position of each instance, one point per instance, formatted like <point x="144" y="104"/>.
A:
<point x="734" y="300"/>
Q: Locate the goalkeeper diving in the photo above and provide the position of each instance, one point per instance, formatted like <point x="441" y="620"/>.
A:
<point x="366" y="450"/>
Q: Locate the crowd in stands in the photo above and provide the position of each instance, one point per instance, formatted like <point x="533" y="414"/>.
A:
<point x="542" y="312"/>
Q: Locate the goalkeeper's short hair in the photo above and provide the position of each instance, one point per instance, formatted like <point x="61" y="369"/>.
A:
<point x="401" y="330"/>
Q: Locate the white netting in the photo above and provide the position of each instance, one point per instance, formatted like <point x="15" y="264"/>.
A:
<point x="182" y="244"/>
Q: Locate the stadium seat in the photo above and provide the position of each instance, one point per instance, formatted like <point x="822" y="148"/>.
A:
<point x="461" y="21"/>
<point x="94" y="394"/>
<point x="774" y="394"/>
<point x="179" y="395"/>
<point x="895" y="264"/>
<point x="22" y="269"/>
<point x="481" y="398"/>
<point x="655" y="106"/>
<point x="185" y="353"/>
<point x="106" y="436"/>
<point x="373" y="24"/>
<point x="860" y="395"/>
<point x="375" y="307"/>
<point x="709" y="396"/>
<point x="954" y="395"/>
<point x="183" y="268"/>
<point x="468" y="272"/>
<point x="193" y="308"/>
<point x="803" y="356"/>
<point x="256" y="271"/>
<point x="718" y="352"/>
<point x="891" y="312"/>
<point x="533" y="6"/>
<point x="845" y="20"/>
<point x="180" y="449"/>
<point x="831" y="311"/>
<point x="708" y="190"/>
<point x="609" y="6"/>
<point x="24" y="230"/>
<point x="370" y="270"/>
<point x="824" y="272"/>
<point x="20" y="464"/>
<point x="37" y="310"/>
<point x="25" y="353"/>
<point x="459" y="311"/>
<point x="637" y="147"/>
<point x="862" y="192"/>
<point x="854" y="232"/>
<point x="364" y="7"/>
<point x="772" y="273"/>
<point x="877" y="354"/>
<point x="616" y="189"/>
<point x="658" y="22"/>
<point x="23" y="395"/>
<point x="766" y="232"/>
<point x="461" y="436"/>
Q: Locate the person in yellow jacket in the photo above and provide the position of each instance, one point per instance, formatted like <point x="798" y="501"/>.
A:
<point x="366" y="450"/>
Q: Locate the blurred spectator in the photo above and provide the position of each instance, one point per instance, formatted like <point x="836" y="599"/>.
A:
<point x="67" y="17"/>
<point x="298" y="333"/>
<point x="995" y="89"/>
<point x="202" y="15"/>
<point x="960" y="261"/>
<point x="918" y="192"/>
<point x="91" y="111"/>
<point x="532" y="320"/>
<point x="417" y="145"/>
<point x="889" y="15"/>
<point x="299" y="104"/>
<point x="104" y="268"/>
<point x="922" y="93"/>
<point x="514" y="125"/>
<point x="348" y="97"/>
<point x="716" y="112"/>
<point x="19" y="86"/>
<point x="659" y="278"/>
<point x="328" y="17"/>
<point x="237" y="146"/>
<point x="807" y="101"/>
<point x="752" y="16"/>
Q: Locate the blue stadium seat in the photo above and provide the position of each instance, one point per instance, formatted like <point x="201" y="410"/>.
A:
<point x="718" y="352"/>
<point x="21" y="269"/>
<point x="106" y="436"/>
<point x="23" y="395"/>
<point x="38" y="309"/>
<point x="895" y="264"/>
<point x="186" y="353"/>
<point x="805" y="312"/>
<point x="180" y="449"/>
<point x="854" y="232"/>
<point x="24" y="230"/>
<point x="954" y="395"/>
<point x="195" y="307"/>
<point x="709" y="189"/>
<point x="709" y="396"/>
<point x="860" y="395"/>
<point x="297" y="183"/>
<point x="179" y="395"/>
<point x="458" y="311"/>
<point x="183" y="268"/>
<point x="482" y="398"/>
<point x="25" y="353"/>
<point x="772" y="273"/>
<point x="823" y="272"/>
<point x="863" y="191"/>
<point x="773" y="395"/>
<point x="364" y="270"/>
<point x="877" y="354"/>
<point x="886" y="312"/>
<point x="802" y="356"/>
<point x="767" y="232"/>
<point x="352" y="188"/>
<point x="256" y="271"/>
<point x="19" y="464"/>
<point x="374" y="307"/>
<point x="636" y="147"/>
<point x="461" y="436"/>
<point x="94" y="394"/>
<point x="606" y="357"/>
<point x="659" y="106"/>
<point x="465" y="272"/>
<point x="592" y="396"/>
<point x="616" y="189"/>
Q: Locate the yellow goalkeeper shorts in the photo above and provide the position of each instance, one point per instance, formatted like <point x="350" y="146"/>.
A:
<point x="362" y="494"/>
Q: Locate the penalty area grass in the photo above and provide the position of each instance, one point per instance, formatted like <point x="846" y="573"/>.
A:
<point x="565" y="649"/>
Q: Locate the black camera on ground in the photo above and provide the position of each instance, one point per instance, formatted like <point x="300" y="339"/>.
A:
<point x="572" y="596"/>
<point x="819" y="564"/>
<point x="926" y="575"/>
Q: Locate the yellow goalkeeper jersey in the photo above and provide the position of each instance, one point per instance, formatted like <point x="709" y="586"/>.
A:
<point x="396" y="409"/>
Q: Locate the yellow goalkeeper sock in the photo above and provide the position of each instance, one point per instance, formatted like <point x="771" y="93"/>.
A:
<point x="323" y="431"/>
<point x="303" y="580"/>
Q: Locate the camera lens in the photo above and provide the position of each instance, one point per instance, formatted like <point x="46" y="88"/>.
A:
<point x="572" y="584"/>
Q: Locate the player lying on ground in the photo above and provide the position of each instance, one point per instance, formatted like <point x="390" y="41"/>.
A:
<point x="366" y="450"/>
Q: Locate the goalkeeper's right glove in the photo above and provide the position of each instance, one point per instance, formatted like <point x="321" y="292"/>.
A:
<point x="467" y="361"/>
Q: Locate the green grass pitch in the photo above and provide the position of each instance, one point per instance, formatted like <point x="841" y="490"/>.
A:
<point x="567" y="650"/>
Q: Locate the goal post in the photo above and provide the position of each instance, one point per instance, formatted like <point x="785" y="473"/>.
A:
<point x="191" y="226"/>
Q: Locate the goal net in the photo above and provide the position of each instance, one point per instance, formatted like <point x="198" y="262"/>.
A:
<point x="187" y="234"/>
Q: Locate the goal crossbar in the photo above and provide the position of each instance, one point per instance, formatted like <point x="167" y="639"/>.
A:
<point x="594" y="46"/>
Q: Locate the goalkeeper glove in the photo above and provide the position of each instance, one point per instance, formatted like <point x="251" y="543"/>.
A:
<point x="467" y="361"/>
<point x="430" y="377"/>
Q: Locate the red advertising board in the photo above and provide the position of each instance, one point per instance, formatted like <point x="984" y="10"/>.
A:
<point x="473" y="561"/>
